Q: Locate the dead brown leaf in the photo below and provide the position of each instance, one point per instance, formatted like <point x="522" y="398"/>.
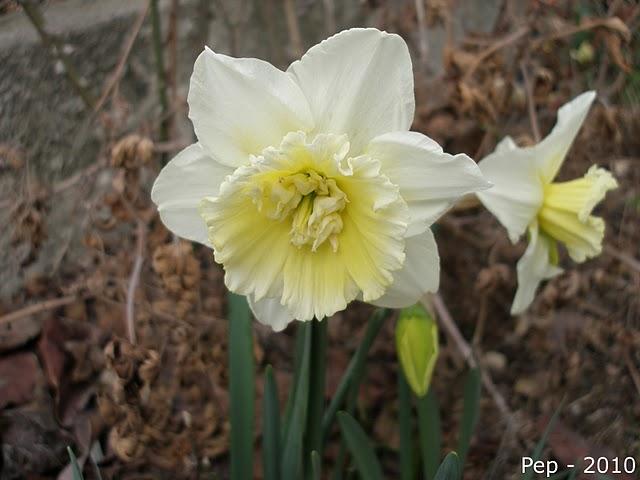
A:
<point x="19" y="376"/>
<point x="17" y="332"/>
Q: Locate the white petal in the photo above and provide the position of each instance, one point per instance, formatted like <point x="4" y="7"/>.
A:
<point x="517" y="192"/>
<point x="551" y="151"/>
<point x="430" y="180"/>
<point x="239" y="106"/>
<point x="533" y="268"/>
<point x="269" y="311"/>
<point x="506" y="144"/>
<point x="181" y="185"/>
<point x="358" y="82"/>
<point x="419" y="275"/>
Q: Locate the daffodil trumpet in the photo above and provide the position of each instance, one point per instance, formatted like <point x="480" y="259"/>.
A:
<point x="525" y="198"/>
<point x="308" y="184"/>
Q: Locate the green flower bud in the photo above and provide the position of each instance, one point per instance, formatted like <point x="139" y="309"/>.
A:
<point x="584" y="53"/>
<point x="417" y="347"/>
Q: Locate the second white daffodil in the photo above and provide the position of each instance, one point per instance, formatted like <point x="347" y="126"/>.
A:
<point x="524" y="198"/>
<point x="307" y="183"/>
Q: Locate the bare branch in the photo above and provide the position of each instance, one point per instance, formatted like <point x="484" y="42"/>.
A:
<point x="55" y="48"/>
<point x="294" y="28"/>
<point x="117" y="72"/>
<point x="134" y="279"/>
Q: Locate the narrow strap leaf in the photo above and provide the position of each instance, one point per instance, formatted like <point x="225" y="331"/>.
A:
<point x="340" y="460"/>
<point x="537" y="452"/>
<point x="470" y="412"/>
<point x="316" y="466"/>
<point x="360" y="447"/>
<point x="242" y="387"/>
<point x="353" y="374"/>
<point x="430" y="433"/>
<point x="271" y="427"/>
<point x="573" y="473"/>
<point x="450" y="469"/>
<point x="76" y="472"/>
<point x="568" y="474"/>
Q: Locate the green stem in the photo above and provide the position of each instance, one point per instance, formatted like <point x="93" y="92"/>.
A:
<point x="404" y="420"/>
<point x="313" y="434"/>
<point x="270" y="427"/>
<point x="429" y="433"/>
<point x="242" y="387"/>
<point x="294" y="440"/>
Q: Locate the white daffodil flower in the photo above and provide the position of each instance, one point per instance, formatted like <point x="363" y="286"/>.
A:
<point x="524" y="198"/>
<point x="307" y="183"/>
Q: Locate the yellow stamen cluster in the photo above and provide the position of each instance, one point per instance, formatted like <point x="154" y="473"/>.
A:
<point x="310" y="200"/>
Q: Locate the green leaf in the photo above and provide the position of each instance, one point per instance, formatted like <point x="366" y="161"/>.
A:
<point x="406" y="432"/>
<point x="450" y="469"/>
<point x="417" y="347"/>
<point x="537" y="452"/>
<point x="360" y="447"/>
<point x="353" y="375"/>
<point x="292" y="448"/>
<point x="564" y="474"/>
<point x="574" y="473"/>
<point x="318" y="362"/>
<point x="340" y="460"/>
<point x="316" y="467"/>
<point x="76" y="471"/>
<point x="430" y="433"/>
<point x="270" y="427"/>
<point x="242" y="387"/>
<point x="470" y="412"/>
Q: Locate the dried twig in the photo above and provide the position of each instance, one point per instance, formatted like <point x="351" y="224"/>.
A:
<point x="266" y="10"/>
<point x="160" y="72"/>
<point x="531" y="106"/>
<point x="172" y="41"/>
<point x="134" y="279"/>
<point x="465" y="350"/>
<point x="483" y="311"/>
<point x="53" y="45"/>
<point x="232" y="25"/>
<point x="623" y="257"/>
<point x="452" y="330"/>
<point x="37" y="308"/>
<point x="117" y="72"/>
<point x="613" y="23"/>
<point x="89" y="172"/>
<point x="329" y="16"/>
<point x="293" y="27"/>
<point x="423" y="43"/>
<point x="498" y="45"/>
<point x="635" y="375"/>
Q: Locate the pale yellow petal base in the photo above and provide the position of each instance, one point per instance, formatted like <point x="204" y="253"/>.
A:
<point x="305" y="224"/>
<point x="566" y="213"/>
